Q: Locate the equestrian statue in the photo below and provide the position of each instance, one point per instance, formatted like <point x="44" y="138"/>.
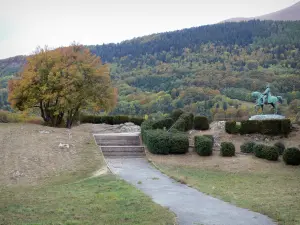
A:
<point x="266" y="98"/>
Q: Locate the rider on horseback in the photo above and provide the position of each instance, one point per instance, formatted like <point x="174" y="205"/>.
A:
<point x="266" y="94"/>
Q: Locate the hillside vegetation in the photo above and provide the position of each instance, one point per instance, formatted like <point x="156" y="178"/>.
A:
<point x="209" y="70"/>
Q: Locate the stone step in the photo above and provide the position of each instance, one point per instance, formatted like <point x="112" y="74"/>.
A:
<point x="120" y="142"/>
<point x="124" y="154"/>
<point x="122" y="149"/>
<point x="116" y="137"/>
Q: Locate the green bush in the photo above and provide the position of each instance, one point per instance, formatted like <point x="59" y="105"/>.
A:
<point x="203" y="145"/>
<point x="270" y="153"/>
<point x="211" y="137"/>
<point x="179" y="143"/>
<point x="158" y="142"/>
<point x="176" y="114"/>
<point x="250" y="127"/>
<point x="258" y="150"/>
<point x="201" y="123"/>
<point x="291" y="156"/>
<point x="280" y="147"/>
<point x="163" y="142"/>
<point x="231" y="127"/>
<point x="108" y="120"/>
<point x="119" y="119"/>
<point x="146" y="126"/>
<point x="184" y="123"/>
<point x="136" y="120"/>
<point x="247" y="147"/>
<point x="270" y="127"/>
<point x="160" y="124"/>
<point x="227" y="149"/>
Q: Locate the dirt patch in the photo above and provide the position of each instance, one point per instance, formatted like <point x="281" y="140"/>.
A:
<point x="32" y="153"/>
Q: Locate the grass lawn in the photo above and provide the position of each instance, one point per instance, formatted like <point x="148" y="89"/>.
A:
<point x="43" y="184"/>
<point x="103" y="200"/>
<point x="273" y="191"/>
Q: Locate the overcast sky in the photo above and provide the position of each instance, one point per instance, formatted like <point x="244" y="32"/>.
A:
<point x="26" y="24"/>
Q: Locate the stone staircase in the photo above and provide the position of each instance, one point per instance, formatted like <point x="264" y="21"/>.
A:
<point x="120" y="145"/>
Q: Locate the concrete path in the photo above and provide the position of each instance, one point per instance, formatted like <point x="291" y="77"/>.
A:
<point x="191" y="206"/>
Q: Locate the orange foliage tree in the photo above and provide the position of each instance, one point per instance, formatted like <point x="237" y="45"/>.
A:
<point x="60" y="82"/>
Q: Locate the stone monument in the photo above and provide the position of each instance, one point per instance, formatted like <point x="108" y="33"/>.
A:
<point x="266" y="98"/>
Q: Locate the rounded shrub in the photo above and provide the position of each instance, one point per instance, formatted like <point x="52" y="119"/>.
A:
<point x="231" y="127"/>
<point x="203" y="145"/>
<point x="201" y="123"/>
<point x="291" y="156"/>
<point x="227" y="149"/>
<point x="247" y="147"/>
<point x="258" y="150"/>
<point x="270" y="153"/>
<point x="280" y="147"/>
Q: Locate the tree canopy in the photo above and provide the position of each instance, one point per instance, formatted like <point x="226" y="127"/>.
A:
<point x="60" y="82"/>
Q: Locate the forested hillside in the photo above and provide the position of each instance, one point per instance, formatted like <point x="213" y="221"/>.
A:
<point x="203" y="69"/>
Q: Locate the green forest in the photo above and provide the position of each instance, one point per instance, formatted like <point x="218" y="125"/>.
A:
<point x="208" y="70"/>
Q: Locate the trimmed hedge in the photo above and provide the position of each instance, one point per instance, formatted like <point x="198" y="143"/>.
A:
<point x="201" y="123"/>
<point x="145" y="127"/>
<point x="266" y="152"/>
<point x="270" y="153"/>
<point x="160" y="124"/>
<point x="118" y="119"/>
<point x="258" y="150"/>
<point x="227" y="149"/>
<point x="163" y="142"/>
<point x="280" y="147"/>
<point x="211" y="137"/>
<point x="203" y="145"/>
<point x="231" y="127"/>
<point x="176" y="114"/>
<point x="272" y="127"/>
<point x="184" y="123"/>
<point x="291" y="156"/>
<point x="247" y="147"/>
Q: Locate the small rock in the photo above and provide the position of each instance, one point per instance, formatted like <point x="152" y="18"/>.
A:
<point x="44" y="132"/>
<point x="63" y="145"/>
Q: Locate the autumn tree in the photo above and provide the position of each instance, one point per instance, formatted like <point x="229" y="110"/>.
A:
<point x="60" y="82"/>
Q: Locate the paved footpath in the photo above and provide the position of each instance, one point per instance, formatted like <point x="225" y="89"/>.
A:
<point x="191" y="206"/>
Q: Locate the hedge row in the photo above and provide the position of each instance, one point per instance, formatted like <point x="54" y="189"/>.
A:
<point x="272" y="127"/>
<point x="118" y="119"/>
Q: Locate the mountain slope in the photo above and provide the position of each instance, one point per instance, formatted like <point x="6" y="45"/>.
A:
<point x="203" y="69"/>
<point x="291" y="13"/>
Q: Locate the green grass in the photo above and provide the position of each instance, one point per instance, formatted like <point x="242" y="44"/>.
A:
<point x="103" y="200"/>
<point x="276" y="195"/>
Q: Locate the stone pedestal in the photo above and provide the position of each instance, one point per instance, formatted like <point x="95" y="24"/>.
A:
<point x="267" y="117"/>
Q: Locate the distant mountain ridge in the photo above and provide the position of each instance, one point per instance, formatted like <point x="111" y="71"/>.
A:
<point x="291" y="13"/>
